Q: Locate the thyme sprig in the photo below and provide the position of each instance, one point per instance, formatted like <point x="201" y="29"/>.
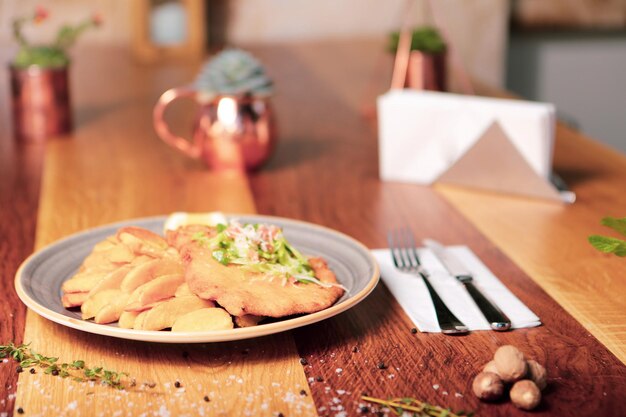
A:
<point x="419" y="408"/>
<point x="76" y="370"/>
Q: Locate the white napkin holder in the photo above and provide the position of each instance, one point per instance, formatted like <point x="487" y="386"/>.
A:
<point x="493" y="144"/>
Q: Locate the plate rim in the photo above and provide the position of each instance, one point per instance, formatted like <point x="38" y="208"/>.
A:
<point x="197" y="337"/>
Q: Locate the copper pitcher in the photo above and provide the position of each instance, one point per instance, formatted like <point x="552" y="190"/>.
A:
<point x="40" y="101"/>
<point x="230" y="132"/>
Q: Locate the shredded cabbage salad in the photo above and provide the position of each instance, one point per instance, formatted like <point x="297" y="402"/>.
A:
<point x="259" y="248"/>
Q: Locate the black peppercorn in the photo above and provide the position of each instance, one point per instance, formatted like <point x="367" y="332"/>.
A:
<point x="382" y="365"/>
<point x="413" y="330"/>
<point x="355" y="349"/>
<point x="319" y="379"/>
<point x="364" y="409"/>
<point x="206" y="398"/>
<point x="19" y="369"/>
<point x="177" y="384"/>
<point x="55" y="372"/>
<point x="303" y="393"/>
<point x="303" y="361"/>
<point x="32" y="371"/>
<point x="20" y="410"/>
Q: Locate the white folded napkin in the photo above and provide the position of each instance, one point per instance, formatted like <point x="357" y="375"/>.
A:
<point x="412" y="294"/>
<point x="423" y="133"/>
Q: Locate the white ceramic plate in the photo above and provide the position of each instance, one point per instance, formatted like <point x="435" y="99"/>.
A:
<point x="38" y="280"/>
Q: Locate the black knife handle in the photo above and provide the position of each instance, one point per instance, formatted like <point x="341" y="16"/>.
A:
<point x="496" y="318"/>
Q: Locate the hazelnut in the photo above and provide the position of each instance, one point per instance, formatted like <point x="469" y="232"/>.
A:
<point x="491" y="367"/>
<point x="488" y="386"/>
<point x="537" y="374"/>
<point x="525" y="394"/>
<point x="510" y="363"/>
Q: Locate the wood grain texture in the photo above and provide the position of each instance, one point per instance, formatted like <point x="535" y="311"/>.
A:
<point x="551" y="240"/>
<point x="113" y="167"/>
<point x="20" y="172"/>
<point x="325" y="171"/>
<point x="326" y="168"/>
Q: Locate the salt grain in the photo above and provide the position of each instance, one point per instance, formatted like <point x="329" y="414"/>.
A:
<point x="339" y="370"/>
<point x="72" y="405"/>
<point x="436" y="386"/>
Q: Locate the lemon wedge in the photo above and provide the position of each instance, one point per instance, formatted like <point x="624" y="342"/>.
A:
<point x="178" y="219"/>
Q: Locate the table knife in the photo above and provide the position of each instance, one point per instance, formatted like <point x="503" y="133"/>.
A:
<point x="496" y="318"/>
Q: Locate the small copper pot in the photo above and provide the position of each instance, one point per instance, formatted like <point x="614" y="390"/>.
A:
<point x="426" y="71"/>
<point x="41" y="102"/>
<point x="233" y="133"/>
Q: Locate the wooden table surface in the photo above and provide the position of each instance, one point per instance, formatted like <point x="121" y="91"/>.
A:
<point x="325" y="171"/>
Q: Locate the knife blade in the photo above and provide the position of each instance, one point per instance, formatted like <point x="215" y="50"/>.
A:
<point x="496" y="318"/>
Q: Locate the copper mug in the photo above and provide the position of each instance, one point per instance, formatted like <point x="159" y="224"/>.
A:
<point x="230" y="132"/>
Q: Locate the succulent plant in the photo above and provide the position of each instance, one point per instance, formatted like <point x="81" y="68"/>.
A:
<point x="424" y="39"/>
<point x="234" y="72"/>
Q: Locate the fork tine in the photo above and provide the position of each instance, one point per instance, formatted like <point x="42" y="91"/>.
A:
<point x="412" y="250"/>
<point x="394" y="250"/>
<point x="405" y="237"/>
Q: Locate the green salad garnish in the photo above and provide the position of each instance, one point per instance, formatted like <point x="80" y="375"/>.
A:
<point x="259" y="248"/>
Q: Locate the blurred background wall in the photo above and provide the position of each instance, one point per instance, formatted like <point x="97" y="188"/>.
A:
<point x="569" y="52"/>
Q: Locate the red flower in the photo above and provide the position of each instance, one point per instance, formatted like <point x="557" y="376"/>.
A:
<point x="97" y="19"/>
<point x="41" y="14"/>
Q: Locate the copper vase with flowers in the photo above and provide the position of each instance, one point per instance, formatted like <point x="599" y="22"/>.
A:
<point x="40" y="90"/>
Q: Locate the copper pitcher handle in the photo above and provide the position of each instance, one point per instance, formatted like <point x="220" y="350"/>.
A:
<point x="189" y="148"/>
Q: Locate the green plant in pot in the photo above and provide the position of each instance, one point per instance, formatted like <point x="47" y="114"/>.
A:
<point x="39" y="78"/>
<point x="427" y="59"/>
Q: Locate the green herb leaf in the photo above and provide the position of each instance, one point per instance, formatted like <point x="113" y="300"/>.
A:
<point x="608" y="244"/>
<point x="27" y="358"/>
<point x="619" y="225"/>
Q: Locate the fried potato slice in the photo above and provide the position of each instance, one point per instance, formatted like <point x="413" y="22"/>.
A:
<point x="183" y="290"/>
<point x="142" y="241"/>
<point x="149" y="270"/>
<point x="74" y="299"/>
<point x="248" y="320"/>
<point x="127" y="319"/>
<point x="86" y="280"/>
<point x="158" y="289"/>
<point x="112" y="280"/>
<point x="165" y="314"/>
<point x="137" y="325"/>
<point x="203" y="320"/>
<point x="94" y="303"/>
<point x="116" y="254"/>
<point x="111" y="312"/>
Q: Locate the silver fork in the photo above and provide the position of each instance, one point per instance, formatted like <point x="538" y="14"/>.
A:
<point x="406" y="259"/>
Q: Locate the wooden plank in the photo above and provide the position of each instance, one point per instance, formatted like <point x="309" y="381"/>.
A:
<point x="113" y="168"/>
<point x="20" y="169"/>
<point x="549" y="241"/>
<point x="328" y="174"/>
